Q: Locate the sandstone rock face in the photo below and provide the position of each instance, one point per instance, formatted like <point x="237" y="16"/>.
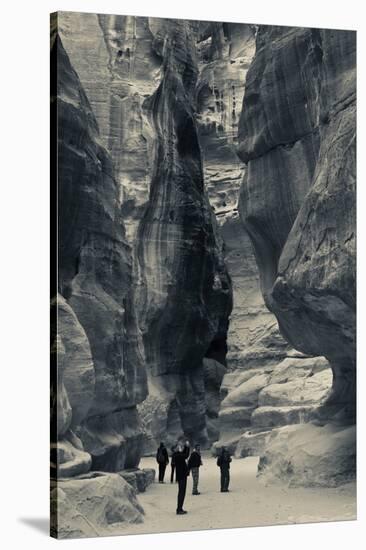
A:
<point x="94" y="506"/>
<point x="148" y="267"/>
<point x="260" y="399"/>
<point x="310" y="455"/>
<point x="297" y="203"/>
<point x="298" y="195"/>
<point x="140" y="76"/>
<point x="185" y="296"/>
<point x="119" y="69"/>
<point x="225" y="51"/>
<point x="139" y="479"/>
<point x="103" y="372"/>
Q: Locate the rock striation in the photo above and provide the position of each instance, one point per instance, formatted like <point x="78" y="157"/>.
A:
<point x="143" y="91"/>
<point x="96" y="504"/>
<point x="103" y="372"/>
<point x="185" y="297"/>
<point x="153" y="250"/>
<point x="297" y="200"/>
<point x="255" y="346"/>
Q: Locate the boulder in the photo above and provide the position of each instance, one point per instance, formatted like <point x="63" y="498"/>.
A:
<point x="94" y="505"/>
<point x="269" y="417"/>
<point x="310" y="455"/>
<point x="234" y="419"/>
<point x="253" y="444"/>
<point x="139" y="479"/>
<point x="299" y="391"/>
<point x="246" y="394"/>
<point x="68" y="461"/>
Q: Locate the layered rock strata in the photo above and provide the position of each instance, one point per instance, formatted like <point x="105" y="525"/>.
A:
<point x="93" y="505"/>
<point x="185" y="299"/>
<point x="103" y="374"/>
<point x="143" y="91"/>
<point x="255" y="346"/>
<point x="297" y="202"/>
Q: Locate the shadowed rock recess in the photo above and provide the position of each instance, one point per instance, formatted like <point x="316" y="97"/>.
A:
<point x="180" y="311"/>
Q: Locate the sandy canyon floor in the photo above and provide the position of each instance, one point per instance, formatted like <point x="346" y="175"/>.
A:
<point x="249" y="502"/>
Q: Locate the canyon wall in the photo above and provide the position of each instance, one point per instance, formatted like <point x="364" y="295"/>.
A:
<point x="267" y="384"/>
<point x="175" y="101"/>
<point x="99" y="374"/>
<point x="140" y="75"/>
<point x="103" y="371"/>
<point x="297" y="203"/>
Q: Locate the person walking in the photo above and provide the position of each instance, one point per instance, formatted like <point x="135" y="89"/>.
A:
<point x="162" y="459"/>
<point x="194" y="464"/>
<point x="172" y="464"/>
<point x="181" y="471"/>
<point x="223" y="462"/>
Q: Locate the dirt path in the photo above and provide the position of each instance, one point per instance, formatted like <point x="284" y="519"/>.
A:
<point x="248" y="503"/>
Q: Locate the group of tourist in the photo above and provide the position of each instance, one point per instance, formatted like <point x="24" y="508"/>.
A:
<point x="183" y="462"/>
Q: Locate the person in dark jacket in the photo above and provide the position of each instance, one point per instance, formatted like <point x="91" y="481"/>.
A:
<point x="172" y="464"/>
<point x="180" y="456"/>
<point x="194" y="464"/>
<point x="162" y="459"/>
<point x="223" y="462"/>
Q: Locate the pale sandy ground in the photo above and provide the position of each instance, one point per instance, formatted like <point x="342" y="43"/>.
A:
<point x="249" y="502"/>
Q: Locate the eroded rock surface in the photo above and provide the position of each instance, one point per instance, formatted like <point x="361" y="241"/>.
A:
<point x="309" y="455"/>
<point x="185" y="298"/>
<point x="297" y="201"/>
<point x="140" y="75"/>
<point x="94" y="505"/>
<point x="103" y="372"/>
<point x="263" y="398"/>
<point x="147" y="268"/>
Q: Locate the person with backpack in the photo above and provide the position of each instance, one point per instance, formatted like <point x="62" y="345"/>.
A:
<point x="223" y="462"/>
<point x="162" y="459"/>
<point x="194" y="464"/>
<point x="180" y="456"/>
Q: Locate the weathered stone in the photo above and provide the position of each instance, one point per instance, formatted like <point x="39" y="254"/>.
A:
<point x="297" y="203"/>
<point x="253" y="444"/>
<point x="139" y="479"/>
<point x="298" y="196"/>
<point x="68" y="461"/>
<point x="103" y="372"/>
<point x="94" y="505"/>
<point x="299" y="391"/>
<point x="247" y="393"/>
<point x="61" y="412"/>
<point x="310" y="455"/>
<point x="234" y="418"/>
<point x="270" y="417"/>
<point x="78" y="367"/>
<point x="143" y="90"/>
<point x="226" y="441"/>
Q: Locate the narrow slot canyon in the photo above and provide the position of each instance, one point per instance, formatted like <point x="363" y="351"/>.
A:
<point x="207" y="264"/>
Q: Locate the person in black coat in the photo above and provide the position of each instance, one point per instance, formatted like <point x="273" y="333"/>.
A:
<point x="194" y="464"/>
<point x="172" y="464"/>
<point x="162" y="459"/>
<point x="180" y="456"/>
<point x="223" y="462"/>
